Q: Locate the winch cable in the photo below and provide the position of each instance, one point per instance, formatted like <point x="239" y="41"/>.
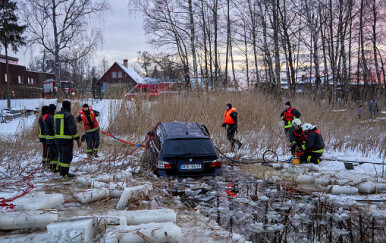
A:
<point x="264" y="161"/>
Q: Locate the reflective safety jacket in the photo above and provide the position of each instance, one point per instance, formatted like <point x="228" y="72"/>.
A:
<point x="42" y="133"/>
<point x="89" y="120"/>
<point x="314" y="142"/>
<point x="65" y="127"/>
<point x="288" y="115"/>
<point x="48" y="121"/>
<point x="297" y="136"/>
<point x="230" y="116"/>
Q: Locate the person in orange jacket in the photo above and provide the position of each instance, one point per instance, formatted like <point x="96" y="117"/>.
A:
<point x="287" y="116"/>
<point x="91" y="128"/>
<point x="230" y="122"/>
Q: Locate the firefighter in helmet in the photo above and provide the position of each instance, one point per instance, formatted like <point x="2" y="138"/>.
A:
<point x="297" y="135"/>
<point x="287" y="116"/>
<point x="91" y="128"/>
<point x="313" y="146"/>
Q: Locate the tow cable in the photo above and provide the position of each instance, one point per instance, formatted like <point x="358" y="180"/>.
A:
<point x="269" y="156"/>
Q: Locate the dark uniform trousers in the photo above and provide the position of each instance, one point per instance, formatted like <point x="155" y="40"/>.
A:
<point x="65" y="156"/>
<point x="92" y="139"/>
<point x="311" y="157"/>
<point x="46" y="159"/>
<point x="231" y="130"/>
<point x="53" y="154"/>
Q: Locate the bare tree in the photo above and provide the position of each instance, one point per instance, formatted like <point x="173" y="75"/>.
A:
<point x="63" y="25"/>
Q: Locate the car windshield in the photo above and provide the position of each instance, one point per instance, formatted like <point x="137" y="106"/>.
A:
<point x="188" y="147"/>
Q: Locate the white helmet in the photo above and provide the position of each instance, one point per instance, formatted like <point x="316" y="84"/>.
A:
<point x="296" y="122"/>
<point x="307" y="127"/>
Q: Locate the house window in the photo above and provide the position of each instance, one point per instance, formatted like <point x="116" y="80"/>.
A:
<point x="19" y="79"/>
<point x="119" y="74"/>
<point x="5" y="78"/>
<point x="28" y="80"/>
<point x="32" y="80"/>
<point x="114" y="74"/>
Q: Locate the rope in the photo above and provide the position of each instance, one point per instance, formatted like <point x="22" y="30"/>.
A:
<point x="263" y="161"/>
<point x="5" y="202"/>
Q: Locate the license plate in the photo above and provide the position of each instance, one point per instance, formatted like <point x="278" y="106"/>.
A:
<point x="191" y="166"/>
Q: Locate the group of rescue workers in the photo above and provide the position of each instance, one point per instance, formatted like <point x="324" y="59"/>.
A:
<point x="306" y="142"/>
<point x="57" y="132"/>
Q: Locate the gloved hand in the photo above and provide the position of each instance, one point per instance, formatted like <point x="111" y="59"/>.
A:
<point x="83" y="139"/>
<point x="223" y="125"/>
<point x="79" y="143"/>
<point x="293" y="147"/>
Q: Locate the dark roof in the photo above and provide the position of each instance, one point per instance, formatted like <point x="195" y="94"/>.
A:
<point x="178" y="130"/>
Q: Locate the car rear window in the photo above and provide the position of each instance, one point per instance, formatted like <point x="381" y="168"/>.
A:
<point x="188" y="147"/>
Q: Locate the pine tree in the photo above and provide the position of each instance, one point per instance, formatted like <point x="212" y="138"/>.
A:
<point x="10" y="35"/>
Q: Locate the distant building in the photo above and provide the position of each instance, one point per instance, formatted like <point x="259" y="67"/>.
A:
<point x="121" y="76"/>
<point x="24" y="83"/>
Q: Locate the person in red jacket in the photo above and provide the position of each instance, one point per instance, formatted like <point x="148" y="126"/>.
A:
<point x="230" y="122"/>
<point x="91" y="128"/>
<point x="287" y="116"/>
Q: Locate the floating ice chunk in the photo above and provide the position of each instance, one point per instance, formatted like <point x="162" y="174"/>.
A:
<point x="336" y="190"/>
<point x="72" y="230"/>
<point x="104" y="178"/>
<point x="98" y="184"/>
<point x="115" y="193"/>
<point x="306" y="179"/>
<point x="152" y="232"/>
<point x="30" y="219"/>
<point x="123" y="175"/>
<point x="147" y="216"/>
<point x="380" y="187"/>
<point x="377" y="213"/>
<point x="84" y="181"/>
<point x="322" y="181"/>
<point x="367" y="187"/>
<point x="92" y="195"/>
<point x="132" y="194"/>
<point x="38" y="200"/>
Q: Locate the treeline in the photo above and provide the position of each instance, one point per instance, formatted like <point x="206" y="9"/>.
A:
<point x="252" y="43"/>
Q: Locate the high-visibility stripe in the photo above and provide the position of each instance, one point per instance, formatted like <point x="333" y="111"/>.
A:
<point x="303" y="146"/>
<point x="54" y="162"/>
<point x="89" y="150"/>
<point x="46" y="159"/>
<point x="287" y="124"/>
<point x="96" y="149"/>
<point x="64" y="136"/>
<point x="318" y="151"/>
<point x="75" y="135"/>
<point x="64" y="165"/>
<point x="309" y="159"/>
<point x="50" y="137"/>
<point x="92" y="130"/>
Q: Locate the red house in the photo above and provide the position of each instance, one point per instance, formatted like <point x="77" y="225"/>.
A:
<point x="120" y="75"/>
<point x="24" y="83"/>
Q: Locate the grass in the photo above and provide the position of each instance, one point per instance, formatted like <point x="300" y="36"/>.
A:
<point x="260" y="126"/>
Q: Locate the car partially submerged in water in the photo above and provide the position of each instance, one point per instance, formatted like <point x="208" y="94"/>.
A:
<point x="181" y="149"/>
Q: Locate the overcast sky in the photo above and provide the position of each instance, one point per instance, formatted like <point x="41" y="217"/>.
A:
<point x="123" y="37"/>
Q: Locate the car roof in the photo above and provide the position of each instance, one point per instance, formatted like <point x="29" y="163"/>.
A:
<point x="181" y="130"/>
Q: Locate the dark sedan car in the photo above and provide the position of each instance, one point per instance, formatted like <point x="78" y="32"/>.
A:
<point x="181" y="149"/>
